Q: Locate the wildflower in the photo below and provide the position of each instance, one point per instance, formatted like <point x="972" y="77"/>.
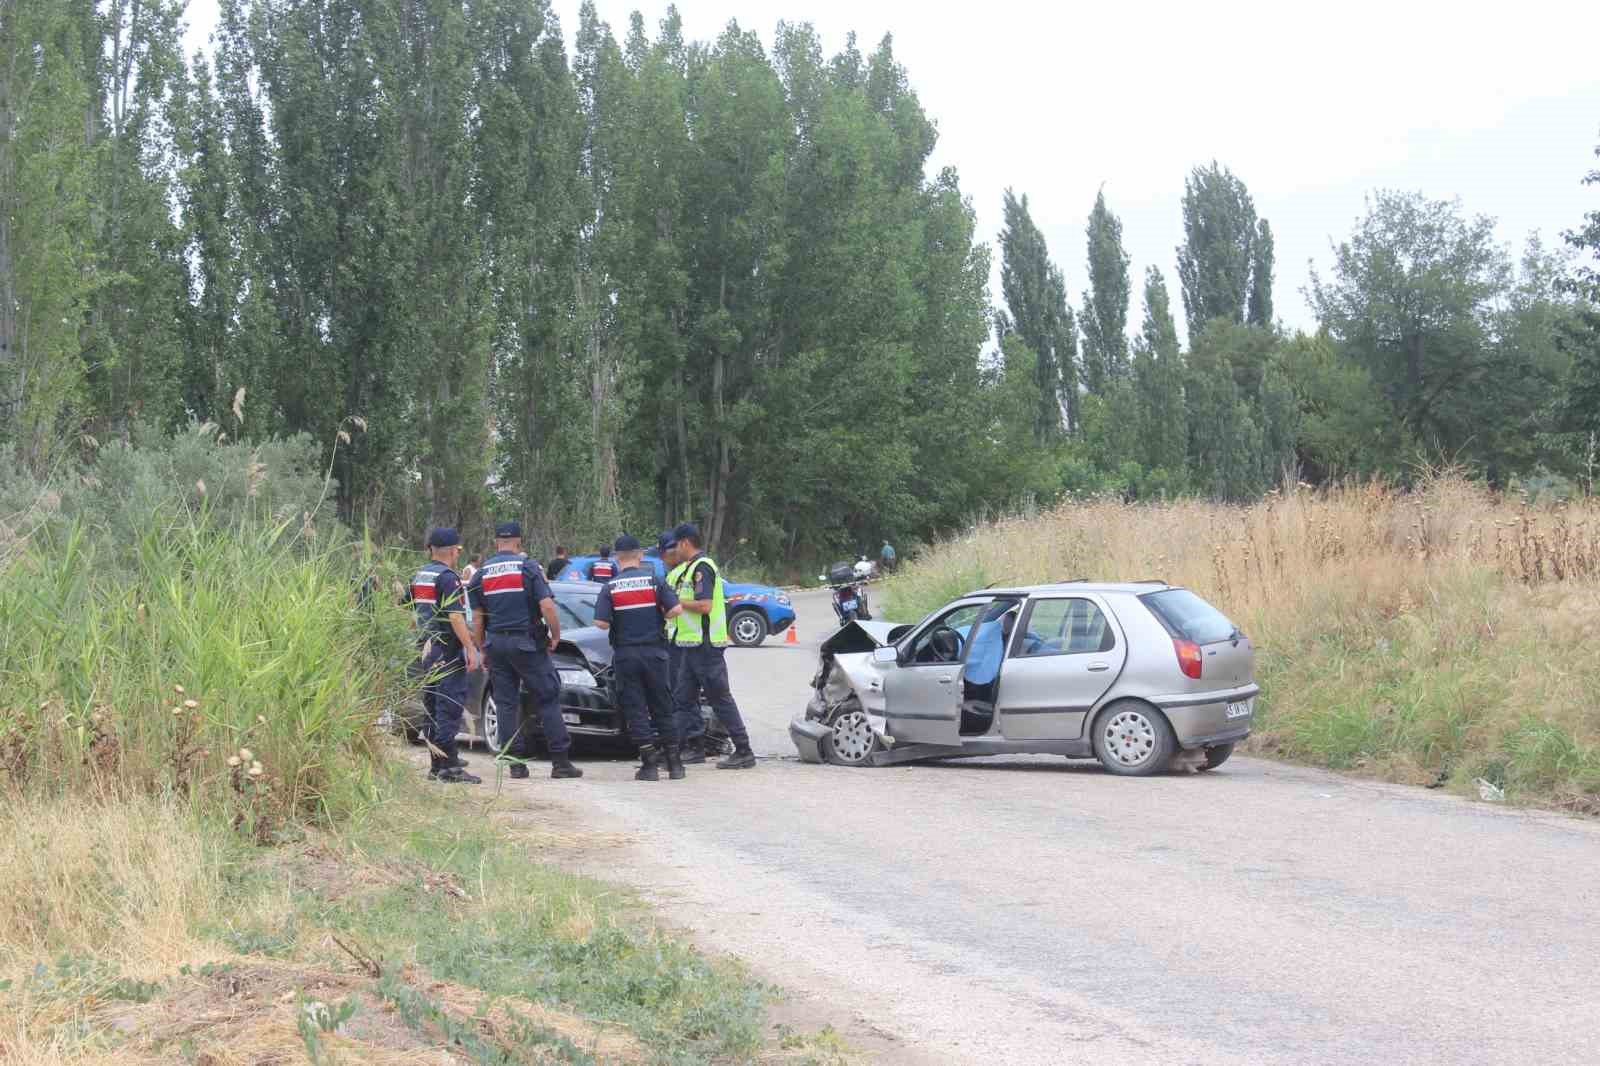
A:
<point x="177" y="712"/>
<point x="178" y="689"/>
<point x="261" y="719"/>
<point x="191" y="704"/>
<point x="255" y="769"/>
<point x="244" y="753"/>
<point x="233" y="760"/>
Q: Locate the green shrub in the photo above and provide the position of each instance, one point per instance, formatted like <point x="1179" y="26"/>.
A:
<point x="152" y="672"/>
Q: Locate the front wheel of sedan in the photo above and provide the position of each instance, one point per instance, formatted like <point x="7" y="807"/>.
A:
<point x="748" y="628"/>
<point x="1133" y="739"/>
<point x="850" y="740"/>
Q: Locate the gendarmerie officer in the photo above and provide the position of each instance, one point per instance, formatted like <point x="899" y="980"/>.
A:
<point x="635" y="606"/>
<point x="515" y="606"/>
<point x="448" y="652"/>
<point x="702" y="632"/>
<point x="604" y="568"/>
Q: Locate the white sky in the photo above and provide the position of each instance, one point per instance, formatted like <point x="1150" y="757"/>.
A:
<point x="1498" y="105"/>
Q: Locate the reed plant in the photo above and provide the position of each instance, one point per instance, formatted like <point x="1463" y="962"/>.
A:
<point x="226" y="663"/>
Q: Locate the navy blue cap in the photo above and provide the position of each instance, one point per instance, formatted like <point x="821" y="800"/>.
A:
<point x="626" y="543"/>
<point x="508" y="530"/>
<point x="443" y="537"/>
<point x="686" y="531"/>
<point x="665" y="540"/>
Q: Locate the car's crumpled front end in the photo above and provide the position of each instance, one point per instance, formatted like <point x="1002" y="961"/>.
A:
<point x="849" y="683"/>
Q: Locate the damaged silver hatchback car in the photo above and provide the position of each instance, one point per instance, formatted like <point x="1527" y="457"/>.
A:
<point x="1143" y="676"/>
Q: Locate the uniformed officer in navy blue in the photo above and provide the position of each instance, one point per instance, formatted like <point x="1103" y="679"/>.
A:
<point x="448" y="652"/>
<point x="667" y="549"/>
<point x="514" y="606"/>
<point x="634" y="606"/>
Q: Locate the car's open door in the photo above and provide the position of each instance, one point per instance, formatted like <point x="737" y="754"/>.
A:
<point x="922" y="693"/>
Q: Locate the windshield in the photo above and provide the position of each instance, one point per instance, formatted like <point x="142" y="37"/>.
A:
<point x="1188" y="616"/>
<point x="576" y="609"/>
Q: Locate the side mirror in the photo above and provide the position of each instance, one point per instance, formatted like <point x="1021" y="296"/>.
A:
<point x="886" y="655"/>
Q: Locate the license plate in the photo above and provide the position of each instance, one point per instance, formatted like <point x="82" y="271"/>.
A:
<point x="1240" y="710"/>
<point x="571" y="719"/>
<point x="848" y="605"/>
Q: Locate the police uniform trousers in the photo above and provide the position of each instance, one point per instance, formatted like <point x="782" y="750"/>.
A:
<point x="517" y="663"/>
<point x="645" y="693"/>
<point x="444" y="696"/>
<point x="704" y="669"/>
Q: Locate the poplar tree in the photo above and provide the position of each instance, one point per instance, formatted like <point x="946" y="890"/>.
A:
<point x="1105" y="303"/>
<point x="1225" y="261"/>
<point x="1036" y="296"/>
<point x="1158" y="382"/>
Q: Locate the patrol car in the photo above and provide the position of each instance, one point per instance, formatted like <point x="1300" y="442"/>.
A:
<point x="755" y="612"/>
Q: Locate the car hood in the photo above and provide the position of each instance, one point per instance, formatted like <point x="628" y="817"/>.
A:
<point x="857" y="636"/>
<point x="592" y="643"/>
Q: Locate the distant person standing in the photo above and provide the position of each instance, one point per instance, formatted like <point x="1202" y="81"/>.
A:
<point x="448" y="652"/>
<point x="558" y="562"/>
<point x="470" y="569"/>
<point x="603" y="569"/>
<point x="518" y="612"/>
<point x="635" y="607"/>
<point x="886" y="557"/>
<point x="702" y="632"/>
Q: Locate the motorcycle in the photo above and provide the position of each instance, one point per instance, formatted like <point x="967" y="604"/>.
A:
<point x="849" y="593"/>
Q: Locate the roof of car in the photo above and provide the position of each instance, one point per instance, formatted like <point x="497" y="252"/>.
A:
<point x="1131" y="587"/>
<point x="576" y="586"/>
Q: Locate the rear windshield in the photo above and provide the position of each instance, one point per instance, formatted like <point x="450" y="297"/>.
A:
<point x="1188" y="616"/>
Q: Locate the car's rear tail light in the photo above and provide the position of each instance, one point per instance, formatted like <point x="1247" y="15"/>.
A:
<point x="1189" y="660"/>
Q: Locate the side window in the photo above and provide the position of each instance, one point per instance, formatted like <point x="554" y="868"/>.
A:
<point x="945" y="641"/>
<point x="1065" y="627"/>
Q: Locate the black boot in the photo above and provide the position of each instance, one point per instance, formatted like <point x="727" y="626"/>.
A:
<point x="519" y="771"/>
<point x="648" y="765"/>
<point x="561" y="767"/>
<point x="454" y="775"/>
<point x="675" y="770"/>
<point x="741" y="759"/>
<point x="435" y="764"/>
<point x="693" y="750"/>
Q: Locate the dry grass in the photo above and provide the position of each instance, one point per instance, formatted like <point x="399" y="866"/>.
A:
<point x="132" y="931"/>
<point x="1439" y="634"/>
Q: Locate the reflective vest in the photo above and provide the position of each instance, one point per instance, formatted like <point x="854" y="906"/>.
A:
<point x="689" y="629"/>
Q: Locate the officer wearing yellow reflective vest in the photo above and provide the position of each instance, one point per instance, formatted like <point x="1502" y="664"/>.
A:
<point x="701" y="632"/>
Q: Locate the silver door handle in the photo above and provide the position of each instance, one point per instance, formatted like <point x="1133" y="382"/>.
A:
<point x="947" y="681"/>
<point x="1097" y="667"/>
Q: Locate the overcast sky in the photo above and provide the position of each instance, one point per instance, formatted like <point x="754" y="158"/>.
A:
<point x="1498" y="105"/>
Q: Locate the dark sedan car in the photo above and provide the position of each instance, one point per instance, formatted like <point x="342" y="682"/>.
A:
<point x="588" y="691"/>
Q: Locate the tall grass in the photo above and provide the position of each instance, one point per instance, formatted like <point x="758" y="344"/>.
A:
<point x="225" y="664"/>
<point x="1443" y="634"/>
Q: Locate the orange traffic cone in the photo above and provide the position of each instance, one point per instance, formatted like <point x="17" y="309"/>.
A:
<point x="790" y="636"/>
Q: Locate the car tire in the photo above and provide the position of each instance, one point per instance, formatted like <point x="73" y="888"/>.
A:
<point x="1216" y="756"/>
<point x="1133" y="739"/>
<point x="850" y="740"/>
<point x="489" y="721"/>
<point x="747" y="628"/>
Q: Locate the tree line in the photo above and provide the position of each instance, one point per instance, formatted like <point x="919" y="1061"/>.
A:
<point x="650" y="278"/>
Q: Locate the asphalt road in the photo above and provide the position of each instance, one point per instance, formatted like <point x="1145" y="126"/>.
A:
<point x="1032" y="910"/>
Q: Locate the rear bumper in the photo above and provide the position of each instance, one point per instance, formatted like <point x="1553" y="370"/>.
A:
<point x="1201" y="718"/>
